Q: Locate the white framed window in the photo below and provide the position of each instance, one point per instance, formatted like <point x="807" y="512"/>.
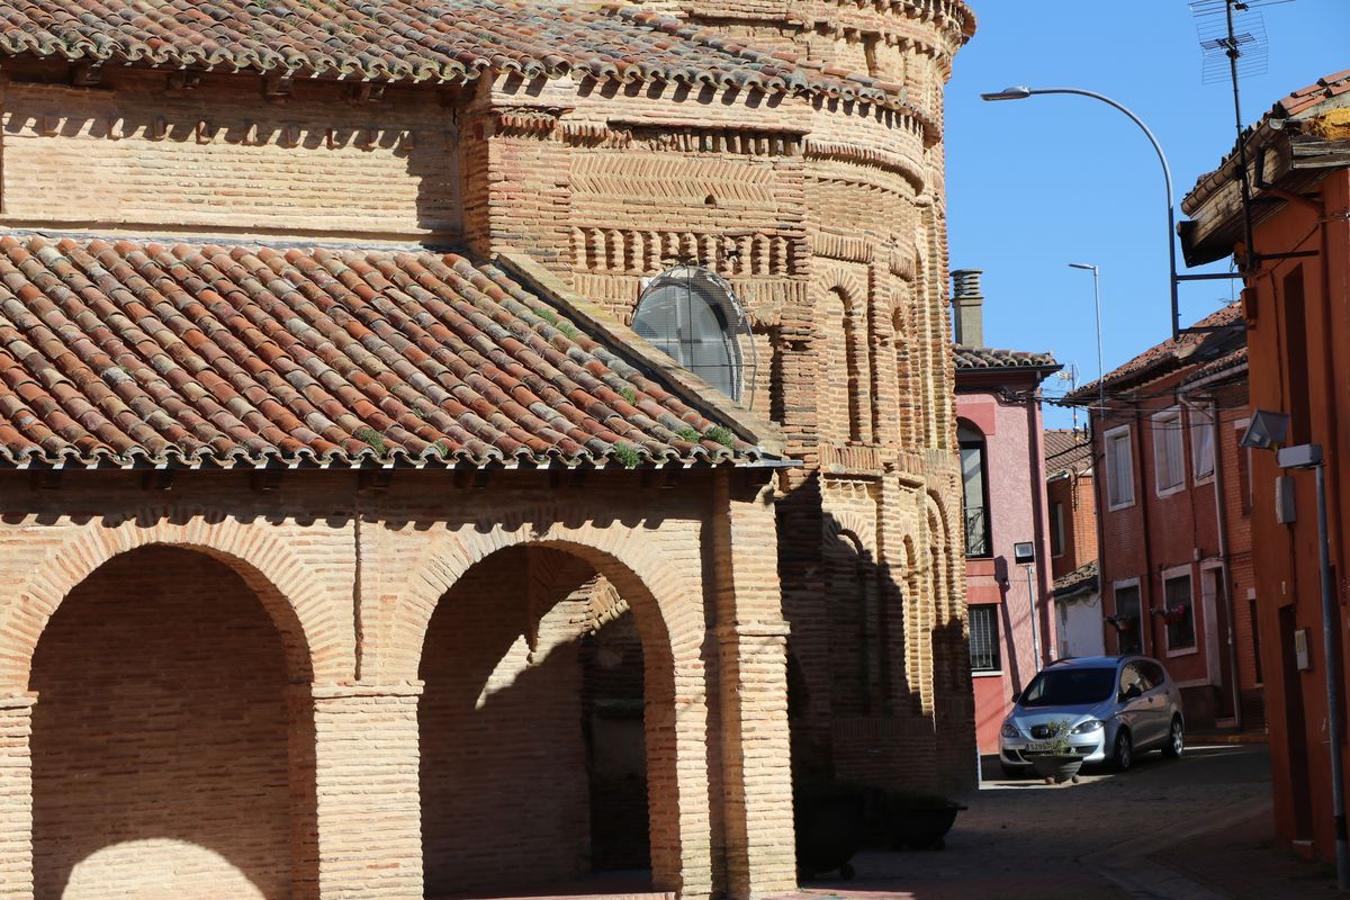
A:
<point x="1130" y="624"/>
<point x="1169" y="452"/>
<point x="984" y="657"/>
<point x="1202" y="446"/>
<point x="1179" y="611"/>
<point x="1119" y="468"/>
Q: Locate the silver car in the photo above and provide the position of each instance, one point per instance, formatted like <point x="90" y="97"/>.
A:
<point x="1115" y="707"/>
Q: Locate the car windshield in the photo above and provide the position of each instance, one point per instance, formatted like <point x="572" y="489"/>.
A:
<point x="1069" y="687"/>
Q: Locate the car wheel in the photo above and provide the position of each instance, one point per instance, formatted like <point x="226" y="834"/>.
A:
<point x="1176" y="740"/>
<point x="1123" y="757"/>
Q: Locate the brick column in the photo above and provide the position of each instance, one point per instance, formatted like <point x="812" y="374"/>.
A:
<point x="752" y="683"/>
<point x="16" y="797"/>
<point x="360" y="833"/>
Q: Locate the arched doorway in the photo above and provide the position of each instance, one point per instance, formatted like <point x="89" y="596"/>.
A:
<point x="162" y="738"/>
<point x="533" y="730"/>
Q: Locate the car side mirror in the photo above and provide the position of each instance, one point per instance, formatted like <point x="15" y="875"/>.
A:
<point x="1131" y="692"/>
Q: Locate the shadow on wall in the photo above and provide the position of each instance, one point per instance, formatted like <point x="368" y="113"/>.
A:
<point x="878" y="672"/>
<point x="160" y="737"/>
<point x="529" y="774"/>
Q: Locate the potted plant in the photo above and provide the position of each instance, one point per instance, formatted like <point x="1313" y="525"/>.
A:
<point x="1056" y="761"/>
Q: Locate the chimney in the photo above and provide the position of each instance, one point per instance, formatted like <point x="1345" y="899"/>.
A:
<point x="968" y="307"/>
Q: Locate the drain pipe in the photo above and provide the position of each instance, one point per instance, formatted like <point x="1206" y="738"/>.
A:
<point x="1221" y="528"/>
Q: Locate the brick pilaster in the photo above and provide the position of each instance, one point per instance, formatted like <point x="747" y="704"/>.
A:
<point x="16" y="797"/>
<point x="366" y="840"/>
<point x="752" y="677"/>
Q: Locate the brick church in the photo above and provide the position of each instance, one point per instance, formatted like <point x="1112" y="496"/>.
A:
<point x="459" y="446"/>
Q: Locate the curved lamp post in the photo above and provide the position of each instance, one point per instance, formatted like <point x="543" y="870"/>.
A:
<point x="1023" y="92"/>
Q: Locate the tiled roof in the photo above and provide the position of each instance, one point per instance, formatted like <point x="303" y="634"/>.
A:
<point x="125" y="353"/>
<point x="415" y="41"/>
<point x="1235" y="362"/>
<point x="1081" y="579"/>
<point x="1171" y="354"/>
<point x="990" y="358"/>
<point x="1298" y="104"/>
<point x="1067" y="450"/>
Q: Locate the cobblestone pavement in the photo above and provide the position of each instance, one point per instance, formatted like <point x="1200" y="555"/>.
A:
<point x="1197" y="828"/>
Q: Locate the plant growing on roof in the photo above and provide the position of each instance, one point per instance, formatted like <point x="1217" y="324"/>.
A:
<point x="627" y="454"/>
<point x="722" y="435"/>
<point x="628" y="394"/>
<point x="690" y="434"/>
<point x="569" y="330"/>
<point x="372" y="437"/>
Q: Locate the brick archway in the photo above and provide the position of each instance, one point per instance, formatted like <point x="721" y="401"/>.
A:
<point x="668" y="610"/>
<point x="318" y="647"/>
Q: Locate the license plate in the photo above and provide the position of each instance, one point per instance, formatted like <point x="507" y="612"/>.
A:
<point x="1039" y="747"/>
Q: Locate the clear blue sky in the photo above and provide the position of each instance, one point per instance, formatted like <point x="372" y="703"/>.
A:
<point x="1038" y="183"/>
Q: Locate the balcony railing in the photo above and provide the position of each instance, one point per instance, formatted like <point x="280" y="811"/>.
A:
<point x="977" y="532"/>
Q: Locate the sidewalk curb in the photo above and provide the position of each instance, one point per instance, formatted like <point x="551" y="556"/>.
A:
<point x="1241" y="737"/>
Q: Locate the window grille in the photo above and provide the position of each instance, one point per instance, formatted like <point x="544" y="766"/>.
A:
<point x="691" y="315"/>
<point x="984" y="638"/>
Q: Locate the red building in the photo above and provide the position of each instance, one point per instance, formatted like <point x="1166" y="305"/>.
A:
<point x="1174" y="543"/>
<point x="1071" y="494"/>
<point x="1000" y="428"/>
<point x="1296" y="305"/>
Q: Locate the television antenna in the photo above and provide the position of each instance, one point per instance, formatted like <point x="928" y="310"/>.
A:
<point x="1232" y="35"/>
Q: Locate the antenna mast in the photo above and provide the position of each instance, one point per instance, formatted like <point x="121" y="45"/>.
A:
<point x="1234" y="32"/>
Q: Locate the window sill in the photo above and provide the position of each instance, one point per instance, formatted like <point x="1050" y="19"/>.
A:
<point x="1119" y="506"/>
<point x="985" y="674"/>
<point x="1184" y="651"/>
<point x="1161" y="493"/>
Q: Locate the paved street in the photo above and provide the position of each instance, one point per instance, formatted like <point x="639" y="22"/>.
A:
<point x="1194" y="829"/>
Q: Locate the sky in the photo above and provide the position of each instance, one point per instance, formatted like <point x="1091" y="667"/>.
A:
<point x="1036" y="184"/>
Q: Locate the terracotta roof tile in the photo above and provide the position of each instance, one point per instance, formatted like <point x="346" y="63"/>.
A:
<point x="1081" y="579"/>
<point x="991" y="358"/>
<point x="1173" y="353"/>
<point x="1067" y="450"/>
<point x="415" y="41"/>
<point x="126" y="353"/>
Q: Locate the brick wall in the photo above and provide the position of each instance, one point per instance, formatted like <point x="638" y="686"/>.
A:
<point x="136" y="153"/>
<point x="160" y="762"/>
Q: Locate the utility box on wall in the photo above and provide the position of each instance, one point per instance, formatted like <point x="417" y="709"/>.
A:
<point x="1286" y="510"/>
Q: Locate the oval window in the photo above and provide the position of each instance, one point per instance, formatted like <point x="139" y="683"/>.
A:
<point x="690" y="314"/>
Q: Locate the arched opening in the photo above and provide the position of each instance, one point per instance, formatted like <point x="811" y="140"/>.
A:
<point x="161" y="744"/>
<point x="844" y="398"/>
<point x="975" y="490"/>
<point x="535" y="738"/>
<point x="691" y="314"/>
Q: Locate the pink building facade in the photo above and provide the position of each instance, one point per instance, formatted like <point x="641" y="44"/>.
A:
<point x="1000" y="429"/>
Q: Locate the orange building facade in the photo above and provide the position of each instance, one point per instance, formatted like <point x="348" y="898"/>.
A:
<point x="1296" y="306"/>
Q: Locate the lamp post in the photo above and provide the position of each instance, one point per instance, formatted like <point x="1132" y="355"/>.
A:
<point x="1097" y="301"/>
<point x="1309" y="456"/>
<point x="1022" y="93"/>
<point x="1266" y="431"/>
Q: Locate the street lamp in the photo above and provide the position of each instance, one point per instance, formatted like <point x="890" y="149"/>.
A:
<point x="1266" y="431"/>
<point x="1021" y="92"/>
<point x="1097" y="301"/>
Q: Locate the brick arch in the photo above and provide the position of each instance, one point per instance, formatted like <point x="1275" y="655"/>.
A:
<point x="840" y="522"/>
<point x="667" y="608"/>
<point x="317" y="648"/>
<point x="843" y="338"/>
